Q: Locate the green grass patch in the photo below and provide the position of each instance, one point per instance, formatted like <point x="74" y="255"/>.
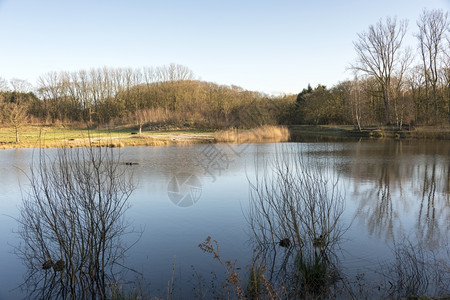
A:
<point x="59" y="136"/>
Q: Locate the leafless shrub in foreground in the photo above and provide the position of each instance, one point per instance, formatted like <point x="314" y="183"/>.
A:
<point x="295" y="217"/>
<point x="72" y="223"/>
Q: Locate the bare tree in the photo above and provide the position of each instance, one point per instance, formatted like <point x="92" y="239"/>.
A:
<point x="446" y="79"/>
<point x="174" y="72"/>
<point x="432" y="30"/>
<point x="141" y="117"/>
<point x="3" y="84"/>
<point x="72" y="223"/>
<point x="356" y="101"/>
<point x="20" y="85"/>
<point x="415" y="81"/>
<point x="14" y="111"/>
<point x="149" y="75"/>
<point x="379" y="52"/>
<point x="49" y="89"/>
<point x="15" y="115"/>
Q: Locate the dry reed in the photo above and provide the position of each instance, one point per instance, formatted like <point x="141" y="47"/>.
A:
<point x="261" y="134"/>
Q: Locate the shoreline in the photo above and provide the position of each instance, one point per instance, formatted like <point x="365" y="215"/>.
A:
<point x="55" y="137"/>
<point x="348" y="132"/>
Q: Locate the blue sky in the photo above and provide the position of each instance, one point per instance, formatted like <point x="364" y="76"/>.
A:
<point x="269" y="46"/>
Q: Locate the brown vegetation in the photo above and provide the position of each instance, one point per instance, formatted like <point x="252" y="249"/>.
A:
<point x="255" y="135"/>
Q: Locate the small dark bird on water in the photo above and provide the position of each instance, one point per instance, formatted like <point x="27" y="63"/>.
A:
<point x="47" y="264"/>
<point x="319" y="242"/>
<point x="58" y="266"/>
<point x="285" y="243"/>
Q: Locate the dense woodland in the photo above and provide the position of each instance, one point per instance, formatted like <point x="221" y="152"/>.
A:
<point x="391" y="85"/>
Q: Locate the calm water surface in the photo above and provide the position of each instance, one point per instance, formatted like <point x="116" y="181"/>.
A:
<point x="392" y="190"/>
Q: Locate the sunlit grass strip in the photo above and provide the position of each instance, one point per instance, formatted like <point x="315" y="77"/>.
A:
<point x="52" y="137"/>
<point x="106" y="142"/>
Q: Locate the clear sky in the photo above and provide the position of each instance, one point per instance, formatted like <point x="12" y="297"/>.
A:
<point x="269" y="46"/>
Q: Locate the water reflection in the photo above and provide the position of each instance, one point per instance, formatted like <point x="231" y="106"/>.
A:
<point x="434" y="204"/>
<point x="382" y="217"/>
<point x="398" y="193"/>
<point x="395" y="179"/>
<point x="415" y="270"/>
<point x="391" y="190"/>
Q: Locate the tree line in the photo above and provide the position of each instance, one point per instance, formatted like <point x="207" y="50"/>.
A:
<point x="167" y="95"/>
<point x="391" y="84"/>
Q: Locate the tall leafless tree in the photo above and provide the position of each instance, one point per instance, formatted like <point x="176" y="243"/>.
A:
<point x="379" y="55"/>
<point x="3" y="84"/>
<point x="433" y="26"/>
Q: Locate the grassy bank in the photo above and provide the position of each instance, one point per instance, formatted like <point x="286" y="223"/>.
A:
<point x="58" y="136"/>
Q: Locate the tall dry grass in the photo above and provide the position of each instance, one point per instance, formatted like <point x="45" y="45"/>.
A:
<point x="266" y="133"/>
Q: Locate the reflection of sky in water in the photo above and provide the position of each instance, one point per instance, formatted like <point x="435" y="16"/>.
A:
<point x="13" y="164"/>
<point x="383" y="183"/>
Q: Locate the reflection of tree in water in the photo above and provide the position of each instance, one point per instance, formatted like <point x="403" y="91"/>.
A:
<point x="72" y="224"/>
<point x="400" y="188"/>
<point x="433" y="214"/>
<point x="294" y="216"/>
<point x="402" y="178"/>
<point x="431" y="203"/>
<point x="382" y="216"/>
<point x="415" y="271"/>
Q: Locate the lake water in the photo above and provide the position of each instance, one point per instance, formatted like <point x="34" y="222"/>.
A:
<point x="391" y="190"/>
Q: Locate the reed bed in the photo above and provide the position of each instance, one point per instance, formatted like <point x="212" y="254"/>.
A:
<point x="260" y="134"/>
